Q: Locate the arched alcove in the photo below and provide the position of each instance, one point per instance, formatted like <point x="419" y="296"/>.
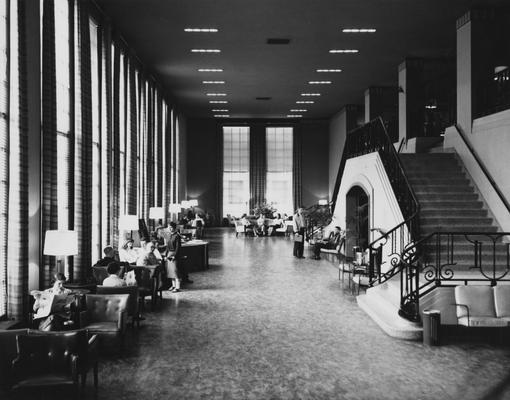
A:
<point x="357" y="218"/>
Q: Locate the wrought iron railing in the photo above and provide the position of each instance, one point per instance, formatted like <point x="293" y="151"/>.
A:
<point x="450" y="258"/>
<point x="317" y="217"/>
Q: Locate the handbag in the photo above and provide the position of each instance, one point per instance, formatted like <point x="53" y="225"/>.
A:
<point x="298" y="238"/>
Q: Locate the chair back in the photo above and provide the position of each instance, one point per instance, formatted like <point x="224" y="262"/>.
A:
<point x="132" y="291"/>
<point x="8" y="352"/>
<point x="478" y="298"/>
<point x="49" y="352"/>
<point x="106" y="307"/>
<point x="240" y="228"/>
<point x="502" y="300"/>
<point x="100" y="274"/>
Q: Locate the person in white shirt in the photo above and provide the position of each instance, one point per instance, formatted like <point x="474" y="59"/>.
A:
<point x="299" y="224"/>
<point x="113" y="279"/>
<point x="128" y="253"/>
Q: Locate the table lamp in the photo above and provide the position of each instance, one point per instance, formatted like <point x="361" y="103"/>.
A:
<point x="174" y="208"/>
<point x="323" y="202"/>
<point x="128" y="223"/>
<point x="156" y="213"/>
<point x="61" y="244"/>
<point x="193" y="203"/>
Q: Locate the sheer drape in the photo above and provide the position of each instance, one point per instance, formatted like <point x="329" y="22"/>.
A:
<point x="296" y="168"/>
<point x="257" y="167"/>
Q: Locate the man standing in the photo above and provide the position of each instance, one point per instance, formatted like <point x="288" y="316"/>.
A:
<point x="298" y="223"/>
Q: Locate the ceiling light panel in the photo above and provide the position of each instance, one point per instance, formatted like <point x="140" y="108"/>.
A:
<point x="319" y="82"/>
<point x="358" y="30"/>
<point x="216" y="94"/>
<point x="221" y="115"/>
<point x="298" y="110"/>
<point x="310" y="94"/>
<point x="201" y="30"/>
<point x="205" y="50"/>
<point x="219" y="110"/>
<point x="305" y="102"/>
<point x="213" y="82"/>
<point x="210" y="70"/>
<point x="218" y="101"/>
<point x="294" y="116"/>
<point x="343" y="51"/>
<point x="329" y="70"/>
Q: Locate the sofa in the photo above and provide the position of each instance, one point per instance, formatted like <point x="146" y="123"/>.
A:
<point x="483" y="306"/>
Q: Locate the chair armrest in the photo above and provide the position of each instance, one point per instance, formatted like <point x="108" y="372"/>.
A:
<point x="467" y="310"/>
<point x="121" y="322"/>
<point x="84" y="319"/>
<point x="92" y="349"/>
<point x="74" y="367"/>
<point x="17" y="367"/>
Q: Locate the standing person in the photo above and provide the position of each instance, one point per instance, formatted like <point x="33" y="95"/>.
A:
<point x="299" y="224"/>
<point x="173" y="270"/>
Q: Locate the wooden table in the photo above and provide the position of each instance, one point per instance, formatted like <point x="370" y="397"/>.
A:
<point x="196" y="253"/>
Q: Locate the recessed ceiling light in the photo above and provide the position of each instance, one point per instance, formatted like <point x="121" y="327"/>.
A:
<point x="221" y="115"/>
<point x="298" y="110"/>
<point x="218" y="101"/>
<point x="305" y="102"/>
<point x="359" y="30"/>
<point x="329" y="70"/>
<point x="205" y="30"/>
<point x="216" y="94"/>
<point x="219" y="110"/>
<point x="319" y="82"/>
<point x="210" y="70"/>
<point x="294" y="116"/>
<point x="205" y="50"/>
<point x="214" y="82"/>
<point x="346" y="51"/>
<point x="310" y="94"/>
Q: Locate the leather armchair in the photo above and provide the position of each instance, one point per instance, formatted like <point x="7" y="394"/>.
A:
<point x="48" y="360"/>
<point x="106" y="317"/>
<point x="8" y="352"/>
<point x="133" y="309"/>
<point x="88" y="356"/>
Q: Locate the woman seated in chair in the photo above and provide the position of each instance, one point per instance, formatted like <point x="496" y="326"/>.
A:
<point x="335" y="241"/>
<point x="128" y="253"/>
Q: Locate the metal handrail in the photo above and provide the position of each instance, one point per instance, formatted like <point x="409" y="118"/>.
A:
<point x="480" y="163"/>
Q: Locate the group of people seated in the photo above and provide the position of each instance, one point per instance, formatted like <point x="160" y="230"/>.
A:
<point x="162" y="252"/>
<point x="335" y="240"/>
<point x="263" y="226"/>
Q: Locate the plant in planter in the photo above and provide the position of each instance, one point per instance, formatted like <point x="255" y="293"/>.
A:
<point x="267" y="210"/>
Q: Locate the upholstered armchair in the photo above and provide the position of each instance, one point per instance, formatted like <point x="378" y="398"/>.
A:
<point x="48" y="360"/>
<point x="132" y="309"/>
<point x="106" y="317"/>
<point x="8" y="352"/>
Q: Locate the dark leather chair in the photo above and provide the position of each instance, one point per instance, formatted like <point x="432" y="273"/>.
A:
<point x="149" y="283"/>
<point x="106" y="317"/>
<point x="8" y="352"/>
<point x="49" y="359"/>
<point x="132" y="309"/>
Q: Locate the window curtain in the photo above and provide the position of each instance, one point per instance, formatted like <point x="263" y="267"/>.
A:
<point x="158" y="149"/>
<point x="131" y="156"/>
<point x="115" y="149"/>
<point x="82" y="142"/>
<point x="296" y="168"/>
<point x="150" y="150"/>
<point x="49" y="136"/>
<point x="257" y="167"/>
<point x="17" y="253"/>
<point x="219" y="169"/>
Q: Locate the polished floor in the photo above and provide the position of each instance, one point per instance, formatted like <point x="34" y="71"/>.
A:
<point x="260" y="324"/>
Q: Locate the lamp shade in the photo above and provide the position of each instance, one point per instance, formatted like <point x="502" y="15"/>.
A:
<point x="193" y="203"/>
<point x="156" y="213"/>
<point x="185" y="204"/>
<point x="61" y="243"/>
<point x="128" y="223"/>
<point x="323" y="202"/>
<point x="175" y="208"/>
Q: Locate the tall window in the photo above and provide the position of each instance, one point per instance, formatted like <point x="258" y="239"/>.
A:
<point x="4" y="160"/>
<point x="279" y="168"/>
<point x="236" y="167"/>
<point x="62" y="70"/>
<point x="96" y="144"/>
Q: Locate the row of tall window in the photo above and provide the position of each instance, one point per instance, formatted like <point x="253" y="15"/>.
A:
<point x="110" y="141"/>
<point x="278" y="169"/>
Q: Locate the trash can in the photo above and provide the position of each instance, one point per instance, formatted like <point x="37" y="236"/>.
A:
<point x="431" y="327"/>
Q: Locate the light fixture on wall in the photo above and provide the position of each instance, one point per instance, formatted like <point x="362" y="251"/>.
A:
<point x="61" y="243"/>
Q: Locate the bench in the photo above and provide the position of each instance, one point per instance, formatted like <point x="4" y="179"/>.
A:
<point x="483" y="306"/>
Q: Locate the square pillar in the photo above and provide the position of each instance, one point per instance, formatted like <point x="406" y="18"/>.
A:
<point x="382" y="101"/>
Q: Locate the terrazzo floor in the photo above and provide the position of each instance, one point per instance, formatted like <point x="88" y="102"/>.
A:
<point x="261" y="324"/>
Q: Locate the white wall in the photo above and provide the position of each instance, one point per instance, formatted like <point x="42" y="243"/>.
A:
<point x="491" y="140"/>
<point x="337" y="135"/>
<point x="368" y="172"/>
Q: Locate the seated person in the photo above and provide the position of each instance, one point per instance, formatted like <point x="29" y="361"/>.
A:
<point x="128" y="253"/>
<point x="53" y="314"/>
<point x="198" y="223"/>
<point x="114" y="279"/>
<point x="261" y="228"/>
<point x="335" y="240"/>
<point x="147" y="257"/>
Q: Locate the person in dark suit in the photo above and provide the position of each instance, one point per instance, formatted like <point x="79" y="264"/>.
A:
<point x="299" y="224"/>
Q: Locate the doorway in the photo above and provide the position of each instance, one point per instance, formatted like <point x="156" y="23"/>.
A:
<point x="356" y="219"/>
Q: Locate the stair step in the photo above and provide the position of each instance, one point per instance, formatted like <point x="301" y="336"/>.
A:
<point x="446" y="197"/>
<point x="452" y="212"/>
<point x="438" y="180"/>
<point x="443" y="189"/>
<point x="429" y="228"/>
<point x="474" y="222"/>
<point x="450" y="205"/>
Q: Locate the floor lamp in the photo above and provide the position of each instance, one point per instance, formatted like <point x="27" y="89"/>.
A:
<point x="174" y="208"/>
<point x="61" y="244"/>
<point x="128" y="223"/>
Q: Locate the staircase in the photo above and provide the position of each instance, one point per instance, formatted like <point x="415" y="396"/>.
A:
<point x="449" y="202"/>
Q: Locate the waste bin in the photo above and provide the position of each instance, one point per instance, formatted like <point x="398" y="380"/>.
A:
<point x="431" y="327"/>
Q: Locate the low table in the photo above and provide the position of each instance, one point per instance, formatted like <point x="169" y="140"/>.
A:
<point x="196" y="255"/>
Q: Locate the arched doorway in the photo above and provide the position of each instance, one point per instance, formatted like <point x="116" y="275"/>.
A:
<point x="356" y="219"/>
